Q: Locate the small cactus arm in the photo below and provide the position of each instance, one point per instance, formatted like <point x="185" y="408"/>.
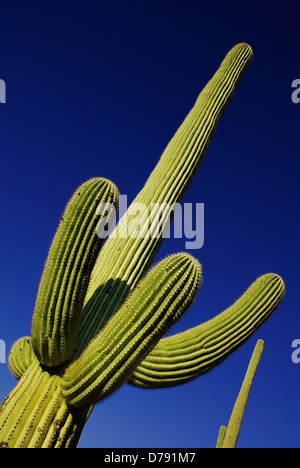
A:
<point x="221" y="436"/>
<point x="183" y="357"/>
<point x="228" y="436"/>
<point x="64" y="282"/>
<point x="97" y="314"/>
<point x="21" y="356"/>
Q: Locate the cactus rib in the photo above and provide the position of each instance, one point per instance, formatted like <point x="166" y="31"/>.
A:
<point x="184" y="356"/>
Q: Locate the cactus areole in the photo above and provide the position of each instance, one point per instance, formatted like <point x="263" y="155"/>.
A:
<point x="101" y="310"/>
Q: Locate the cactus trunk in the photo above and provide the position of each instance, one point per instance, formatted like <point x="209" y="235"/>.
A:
<point x="35" y="414"/>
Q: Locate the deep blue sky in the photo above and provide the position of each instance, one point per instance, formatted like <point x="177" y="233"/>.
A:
<point x="97" y="89"/>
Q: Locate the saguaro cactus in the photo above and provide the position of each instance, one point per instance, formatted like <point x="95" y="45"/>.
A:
<point x="100" y="315"/>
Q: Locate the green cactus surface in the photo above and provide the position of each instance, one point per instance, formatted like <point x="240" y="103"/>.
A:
<point x="127" y="259"/>
<point x="160" y="299"/>
<point x="221" y="435"/>
<point x="184" y="356"/>
<point x="21" y="356"/>
<point x="228" y="436"/>
<point x="66" y="275"/>
<point x="101" y="311"/>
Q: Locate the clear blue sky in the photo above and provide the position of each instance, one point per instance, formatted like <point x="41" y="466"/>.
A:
<point x="97" y="89"/>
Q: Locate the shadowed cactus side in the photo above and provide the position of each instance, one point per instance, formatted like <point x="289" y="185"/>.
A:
<point x="101" y="314"/>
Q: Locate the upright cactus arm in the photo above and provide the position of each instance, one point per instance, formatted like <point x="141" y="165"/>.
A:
<point x="184" y="356"/>
<point x="126" y="258"/>
<point x="64" y="282"/>
<point x="231" y="434"/>
<point x="160" y="299"/>
<point x="221" y="435"/>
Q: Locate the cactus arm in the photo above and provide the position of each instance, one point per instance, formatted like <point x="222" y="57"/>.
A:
<point x="221" y="435"/>
<point x="20" y="356"/>
<point x="183" y="357"/>
<point x="160" y="299"/>
<point x="67" y="271"/>
<point x="127" y="259"/>
<point x="235" y="421"/>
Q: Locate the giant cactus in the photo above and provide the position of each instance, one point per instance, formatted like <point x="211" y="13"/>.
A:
<point x="101" y="314"/>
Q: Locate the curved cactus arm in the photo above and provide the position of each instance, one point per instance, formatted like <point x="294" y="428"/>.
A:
<point x="20" y="356"/>
<point x="126" y="258"/>
<point x="64" y="282"/>
<point x="187" y="355"/>
<point x="160" y="299"/>
<point x="236" y="418"/>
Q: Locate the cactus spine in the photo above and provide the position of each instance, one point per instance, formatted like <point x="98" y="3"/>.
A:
<point x="98" y="313"/>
